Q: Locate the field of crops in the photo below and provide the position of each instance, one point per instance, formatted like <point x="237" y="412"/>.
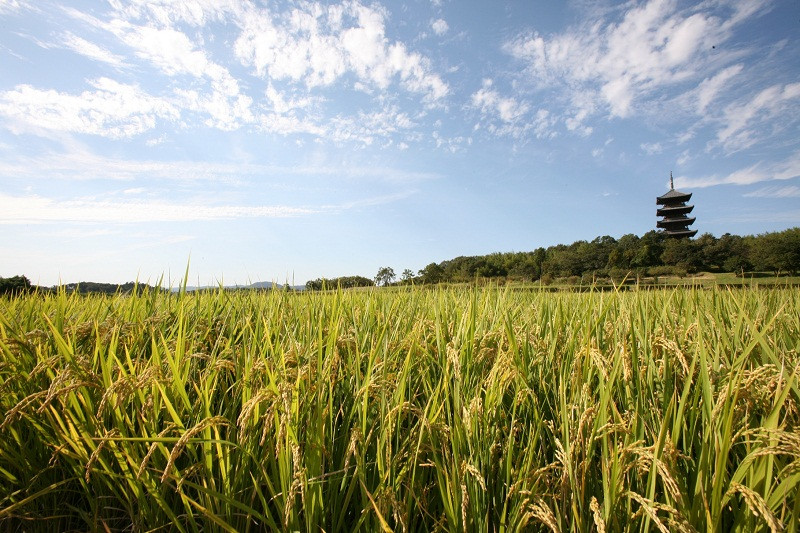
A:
<point x="470" y="409"/>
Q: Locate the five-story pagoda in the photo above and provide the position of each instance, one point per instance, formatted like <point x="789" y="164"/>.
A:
<point x="673" y="211"/>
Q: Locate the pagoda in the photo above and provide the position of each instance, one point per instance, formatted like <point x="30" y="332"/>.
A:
<point x="673" y="211"/>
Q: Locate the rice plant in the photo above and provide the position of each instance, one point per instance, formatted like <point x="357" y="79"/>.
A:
<point x="449" y="409"/>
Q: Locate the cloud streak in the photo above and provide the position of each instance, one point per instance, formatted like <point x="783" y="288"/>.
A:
<point x="783" y="170"/>
<point x="37" y="209"/>
<point x="34" y="209"/>
<point x="789" y="191"/>
<point x="82" y="165"/>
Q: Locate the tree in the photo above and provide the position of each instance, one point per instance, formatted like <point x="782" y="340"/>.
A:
<point x="433" y="273"/>
<point x="407" y="275"/>
<point x="681" y="253"/>
<point x="14" y="285"/>
<point x="731" y="254"/>
<point x="779" y="252"/>
<point x="384" y="276"/>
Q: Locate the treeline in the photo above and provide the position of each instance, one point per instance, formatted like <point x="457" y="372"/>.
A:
<point x="652" y="254"/>
<point x="345" y="282"/>
<point x="87" y="287"/>
<point x="21" y="284"/>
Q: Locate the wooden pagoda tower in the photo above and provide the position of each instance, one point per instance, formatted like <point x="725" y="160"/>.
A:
<point x="673" y="212"/>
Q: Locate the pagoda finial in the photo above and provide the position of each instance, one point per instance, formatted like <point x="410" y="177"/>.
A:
<point x="671" y="185"/>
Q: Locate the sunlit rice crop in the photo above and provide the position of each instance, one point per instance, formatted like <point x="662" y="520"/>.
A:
<point x="470" y="409"/>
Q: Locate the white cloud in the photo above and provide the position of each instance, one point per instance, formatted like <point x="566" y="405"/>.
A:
<point x="510" y="116"/>
<point x="318" y="45"/>
<point x="91" y="50"/>
<point x="9" y="6"/>
<point x="710" y="87"/>
<point x="366" y="127"/>
<point x="169" y="12"/>
<point x="744" y="121"/>
<point x="439" y="26"/>
<point x="36" y="209"/>
<point x="489" y="101"/>
<point x="513" y="115"/>
<point x="307" y="46"/>
<point x="620" y="65"/>
<point x="173" y="53"/>
<point x="281" y="103"/>
<point x="112" y="109"/>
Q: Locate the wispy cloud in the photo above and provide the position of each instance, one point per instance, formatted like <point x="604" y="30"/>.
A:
<point x="709" y="88"/>
<point x="509" y="115"/>
<point x="111" y="109"/>
<point x="651" y="148"/>
<point x="91" y="50"/>
<point x="80" y="165"/>
<point x="173" y="53"/>
<point x="370" y="202"/>
<point x="744" y="121"/>
<point x="618" y="66"/>
<point x="9" y="6"/>
<point x="310" y="48"/>
<point x="757" y="173"/>
<point x="789" y="191"/>
<point x="37" y="209"/>
<point x="32" y="209"/>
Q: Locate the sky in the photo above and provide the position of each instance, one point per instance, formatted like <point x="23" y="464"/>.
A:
<point x="290" y="140"/>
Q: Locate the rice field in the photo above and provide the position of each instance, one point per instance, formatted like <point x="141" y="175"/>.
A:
<point x="459" y="409"/>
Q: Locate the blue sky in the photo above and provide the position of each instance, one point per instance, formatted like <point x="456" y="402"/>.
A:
<point x="288" y="140"/>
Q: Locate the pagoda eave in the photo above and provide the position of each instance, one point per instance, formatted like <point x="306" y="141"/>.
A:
<point x="675" y="222"/>
<point x="681" y="233"/>
<point x="673" y="210"/>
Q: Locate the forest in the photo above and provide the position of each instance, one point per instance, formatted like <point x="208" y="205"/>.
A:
<point x="653" y="254"/>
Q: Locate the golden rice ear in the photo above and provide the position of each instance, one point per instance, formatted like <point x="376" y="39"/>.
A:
<point x="181" y="444"/>
<point x="542" y="512"/>
<point x="599" y="523"/>
<point x="757" y="506"/>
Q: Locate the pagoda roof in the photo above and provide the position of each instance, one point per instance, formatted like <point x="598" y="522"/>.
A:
<point x="673" y="196"/>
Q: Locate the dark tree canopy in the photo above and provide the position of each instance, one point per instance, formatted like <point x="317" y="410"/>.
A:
<point x="344" y="282"/>
<point x="628" y="256"/>
<point x="14" y="285"/>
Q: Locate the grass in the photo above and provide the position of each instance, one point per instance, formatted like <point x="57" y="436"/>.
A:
<point x="460" y="409"/>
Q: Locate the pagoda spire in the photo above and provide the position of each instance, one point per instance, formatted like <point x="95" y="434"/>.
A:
<point x="671" y="185"/>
